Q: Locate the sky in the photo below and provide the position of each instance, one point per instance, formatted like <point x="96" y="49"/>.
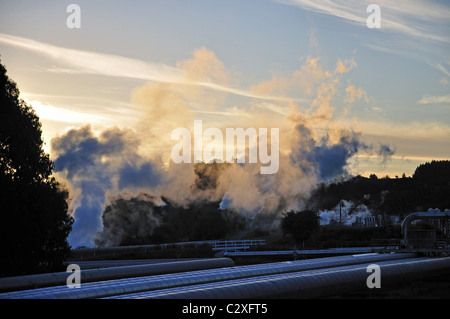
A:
<point x="402" y="70"/>
<point x="314" y="67"/>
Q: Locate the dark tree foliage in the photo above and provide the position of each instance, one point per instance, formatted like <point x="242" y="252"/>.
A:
<point x="34" y="222"/>
<point x="138" y="220"/>
<point x="434" y="172"/>
<point x="429" y="187"/>
<point x="301" y="225"/>
<point x="198" y="221"/>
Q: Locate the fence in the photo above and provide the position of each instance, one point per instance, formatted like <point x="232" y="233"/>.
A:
<point x="217" y="245"/>
<point x="411" y="245"/>
<point x="385" y="245"/>
<point x="235" y="245"/>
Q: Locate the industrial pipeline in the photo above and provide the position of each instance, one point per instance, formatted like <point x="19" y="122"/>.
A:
<point x="127" y="286"/>
<point x="92" y="275"/>
<point x="315" y="283"/>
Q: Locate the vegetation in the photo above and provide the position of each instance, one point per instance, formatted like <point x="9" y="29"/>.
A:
<point x="429" y="187"/>
<point x="204" y="220"/>
<point x="139" y="221"/>
<point x="140" y="252"/>
<point x="198" y="221"/>
<point x="35" y="224"/>
<point x="301" y="225"/>
<point x="34" y="221"/>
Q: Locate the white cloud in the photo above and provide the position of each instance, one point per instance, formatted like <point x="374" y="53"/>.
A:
<point x="444" y="81"/>
<point x="53" y="113"/>
<point x="429" y="99"/>
<point x="440" y="67"/>
<point x="77" y="61"/>
<point x="96" y="63"/>
<point x="419" y="19"/>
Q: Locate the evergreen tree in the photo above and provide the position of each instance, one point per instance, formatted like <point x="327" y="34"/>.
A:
<point x="301" y="225"/>
<point x="34" y="223"/>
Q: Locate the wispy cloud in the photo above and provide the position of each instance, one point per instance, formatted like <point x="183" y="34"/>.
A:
<point x="419" y="19"/>
<point x="58" y="114"/>
<point x="96" y="63"/>
<point x="78" y="61"/>
<point x="441" y="67"/>
<point x="429" y="99"/>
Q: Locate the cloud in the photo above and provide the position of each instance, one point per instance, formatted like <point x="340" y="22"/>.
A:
<point x="353" y="94"/>
<point x="344" y="66"/>
<point x="417" y="19"/>
<point x="306" y="79"/>
<point x="441" y="67"/>
<point x="429" y="99"/>
<point x="52" y="113"/>
<point x="95" y="165"/>
<point x="98" y="165"/>
<point x="78" y="61"/>
<point x="444" y="81"/>
<point x="314" y="147"/>
<point x="385" y="152"/>
<point x="142" y="176"/>
<point x="126" y="218"/>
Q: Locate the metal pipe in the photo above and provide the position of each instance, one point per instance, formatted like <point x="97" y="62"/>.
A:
<point x="315" y="283"/>
<point x="421" y="215"/>
<point x="91" y="275"/>
<point x="130" y="285"/>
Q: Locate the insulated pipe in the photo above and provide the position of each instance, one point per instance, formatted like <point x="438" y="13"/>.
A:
<point x="90" y="275"/>
<point x="317" y="283"/>
<point x="421" y="215"/>
<point x="133" y="285"/>
<point x="96" y="264"/>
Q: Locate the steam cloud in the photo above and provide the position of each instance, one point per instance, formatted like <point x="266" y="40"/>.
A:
<point x="117" y="162"/>
<point x="97" y="165"/>
<point x="347" y="214"/>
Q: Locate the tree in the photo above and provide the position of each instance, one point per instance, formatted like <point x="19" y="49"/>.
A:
<point x="33" y="206"/>
<point x="301" y="225"/>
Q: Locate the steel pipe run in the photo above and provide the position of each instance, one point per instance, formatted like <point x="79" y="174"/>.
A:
<point x="317" y="283"/>
<point x="421" y="215"/>
<point x="147" y="283"/>
<point x="92" y="275"/>
<point x="97" y="264"/>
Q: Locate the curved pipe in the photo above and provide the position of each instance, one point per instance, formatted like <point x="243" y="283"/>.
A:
<point x="317" y="283"/>
<point x="134" y="285"/>
<point x="421" y="215"/>
<point x="91" y="275"/>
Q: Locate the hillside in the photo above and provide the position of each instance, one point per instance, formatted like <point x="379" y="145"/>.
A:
<point x="429" y="187"/>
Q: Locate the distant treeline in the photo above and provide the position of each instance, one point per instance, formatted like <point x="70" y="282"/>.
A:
<point x="139" y="221"/>
<point x="429" y="187"/>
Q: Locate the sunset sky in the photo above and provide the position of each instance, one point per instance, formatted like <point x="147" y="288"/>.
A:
<point x="235" y="63"/>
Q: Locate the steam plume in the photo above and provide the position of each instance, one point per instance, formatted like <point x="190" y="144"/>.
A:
<point x="313" y="148"/>
<point x="92" y="165"/>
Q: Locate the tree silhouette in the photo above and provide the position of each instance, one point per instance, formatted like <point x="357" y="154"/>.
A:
<point x="301" y="225"/>
<point x="34" y="223"/>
